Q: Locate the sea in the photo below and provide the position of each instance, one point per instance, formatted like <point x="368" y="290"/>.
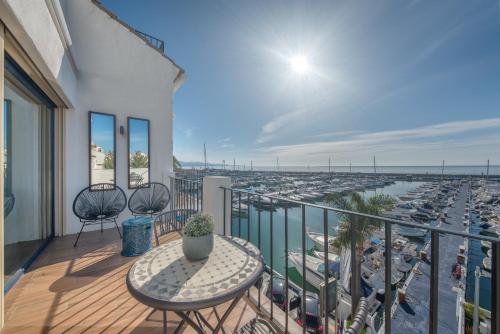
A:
<point x="447" y="170"/>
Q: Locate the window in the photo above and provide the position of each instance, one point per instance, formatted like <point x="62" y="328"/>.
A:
<point x="28" y="173"/>
<point x="138" y="152"/>
<point x="102" y="148"/>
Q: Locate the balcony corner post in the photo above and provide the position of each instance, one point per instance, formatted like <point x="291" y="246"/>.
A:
<point x="213" y="202"/>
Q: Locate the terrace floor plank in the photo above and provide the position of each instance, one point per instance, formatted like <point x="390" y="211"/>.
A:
<point x="83" y="290"/>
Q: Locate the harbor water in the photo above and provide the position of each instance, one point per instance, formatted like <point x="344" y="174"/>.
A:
<point x="313" y="222"/>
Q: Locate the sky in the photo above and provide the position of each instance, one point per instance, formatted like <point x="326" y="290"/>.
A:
<point x="410" y="82"/>
<point x="103" y="135"/>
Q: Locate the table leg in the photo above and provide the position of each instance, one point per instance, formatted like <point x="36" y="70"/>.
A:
<point x="164" y="322"/>
<point x="226" y="314"/>
<point x="200" y="318"/>
<point x="181" y="324"/>
<point x="218" y="319"/>
<point x="190" y="322"/>
<point x="205" y="321"/>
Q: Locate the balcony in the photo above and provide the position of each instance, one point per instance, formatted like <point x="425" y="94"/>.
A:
<point x="83" y="289"/>
<point x="76" y="290"/>
<point x="153" y="41"/>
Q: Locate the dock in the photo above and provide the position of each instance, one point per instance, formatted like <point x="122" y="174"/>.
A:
<point x="412" y="317"/>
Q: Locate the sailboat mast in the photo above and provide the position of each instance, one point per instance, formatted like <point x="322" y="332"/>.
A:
<point x="487" y="169"/>
<point x="442" y="171"/>
<point x="205" y="154"/>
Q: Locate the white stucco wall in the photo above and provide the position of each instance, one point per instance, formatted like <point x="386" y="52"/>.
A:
<point x="116" y="73"/>
<point x="32" y="25"/>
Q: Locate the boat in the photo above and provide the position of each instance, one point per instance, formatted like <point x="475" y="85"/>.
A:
<point x="412" y="232"/>
<point x="331" y="256"/>
<point x="319" y="240"/>
<point x="486" y="244"/>
<point x="315" y="268"/>
<point x="376" y="279"/>
<point x="399" y="262"/>
<point x="487" y="263"/>
<point x="485" y="225"/>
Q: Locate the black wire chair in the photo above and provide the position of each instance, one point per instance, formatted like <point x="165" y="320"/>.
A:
<point x="8" y="204"/>
<point x="98" y="204"/>
<point x="150" y="199"/>
<point x="171" y="221"/>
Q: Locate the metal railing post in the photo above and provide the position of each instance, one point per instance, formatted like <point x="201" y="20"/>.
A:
<point x="434" y="283"/>
<point x="248" y="216"/>
<point x="258" y="243"/>
<point x="303" y="269"/>
<point x="224" y="210"/>
<point x="287" y="303"/>
<point x="231" y="216"/>
<point x="327" y="270"/>
<point x="172" y="193"/>
<point x="239" y="214"/>
<point x="354" y="268"/>
<point x="495" y="288"/>
<point x="388" y="268"/>
<point x="271" y="250"/>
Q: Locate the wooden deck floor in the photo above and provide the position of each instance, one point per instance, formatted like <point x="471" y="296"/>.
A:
<point x="82" y="290"/>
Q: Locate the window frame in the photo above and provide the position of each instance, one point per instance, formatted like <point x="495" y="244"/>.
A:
<point x="90" y="113"/>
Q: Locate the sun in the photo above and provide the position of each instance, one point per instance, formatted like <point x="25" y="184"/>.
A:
<point x="299" y="64"/>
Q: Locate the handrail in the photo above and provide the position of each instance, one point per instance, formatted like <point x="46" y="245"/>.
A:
<point x="186" y="180"/>
<point x="153" y="41"/>
<point x="383" y="219"/>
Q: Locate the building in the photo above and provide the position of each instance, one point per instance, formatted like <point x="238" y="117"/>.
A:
<point x="60" y="61"/>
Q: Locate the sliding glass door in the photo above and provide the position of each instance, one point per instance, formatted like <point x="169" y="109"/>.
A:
<point x="28" y="171"/>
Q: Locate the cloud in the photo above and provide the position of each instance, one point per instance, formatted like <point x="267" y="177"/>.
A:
<point x="335" y="134"/>
<point x="394" y="143"/>
<point x="226" y="143"/>
<point x="270" y="129"/>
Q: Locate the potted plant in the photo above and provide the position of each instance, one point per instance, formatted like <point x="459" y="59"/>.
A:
<point x="198" y="237"/>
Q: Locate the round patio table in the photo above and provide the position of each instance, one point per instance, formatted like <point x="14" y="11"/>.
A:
<point x="165" y="280"/>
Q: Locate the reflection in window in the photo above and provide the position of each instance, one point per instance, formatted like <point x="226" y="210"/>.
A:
<point x="138" y="152"/>
<point x="27" y="175"/>
<point x="7" y="142"/>
<point x="102" y="148"/>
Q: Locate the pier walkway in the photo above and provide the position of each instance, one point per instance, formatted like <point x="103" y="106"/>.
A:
<point x="413" y="315"/>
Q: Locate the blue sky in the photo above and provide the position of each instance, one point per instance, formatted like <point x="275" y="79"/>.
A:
<point x="138" y="131"/>
<point x="102" y="131"/>
<point x="412" y="82"/>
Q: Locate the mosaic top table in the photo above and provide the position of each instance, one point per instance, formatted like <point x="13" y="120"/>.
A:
<point x="165" y="280"/>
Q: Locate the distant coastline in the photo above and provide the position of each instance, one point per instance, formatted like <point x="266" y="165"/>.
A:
<point x="494" y="170"/>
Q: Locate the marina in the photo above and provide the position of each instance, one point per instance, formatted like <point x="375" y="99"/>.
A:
<point x="268" y="201"/>
<point x="433" y="203"/>
<point x="450" y="202"/>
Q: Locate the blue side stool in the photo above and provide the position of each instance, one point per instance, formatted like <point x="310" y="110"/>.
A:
<point x="137" y="236"/>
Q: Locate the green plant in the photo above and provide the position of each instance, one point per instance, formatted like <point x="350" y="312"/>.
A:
<point x="177" y="164"/>
<point x="362" y="228"/>
<point x="199" y="225"/>
<point x="139" y="160"/>
<point x="109" y="161"/>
